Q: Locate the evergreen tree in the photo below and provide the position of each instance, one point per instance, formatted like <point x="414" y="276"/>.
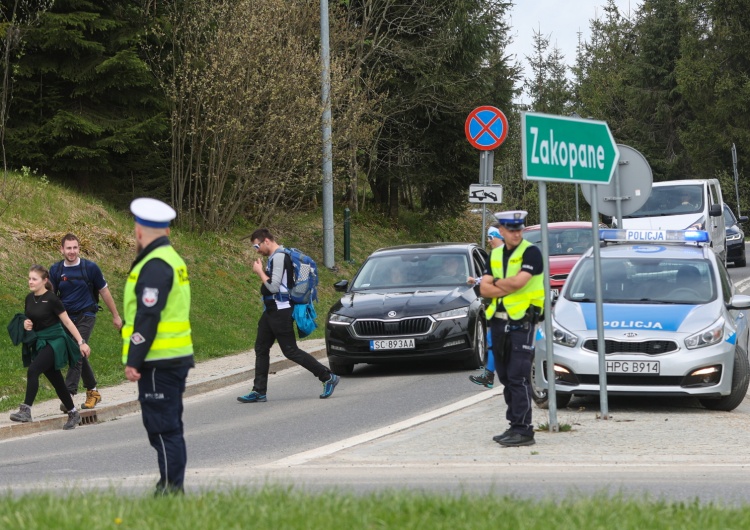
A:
<point x="656" y="110"/>
<point x="433" y="61"/>
<point x="601" y="69"/>
<point x="713" y="75"/>
<point x="86" y="106"/>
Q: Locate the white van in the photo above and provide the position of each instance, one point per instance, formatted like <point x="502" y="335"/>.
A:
<point x="682" y="205"/>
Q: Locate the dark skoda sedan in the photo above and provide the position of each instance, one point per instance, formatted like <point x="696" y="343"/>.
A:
<point x="410" y="303"/>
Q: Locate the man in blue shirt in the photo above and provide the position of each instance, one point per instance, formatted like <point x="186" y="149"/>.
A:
<point x="76" y="280"/>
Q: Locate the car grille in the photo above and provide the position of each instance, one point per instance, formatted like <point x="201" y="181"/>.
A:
<point x="649" y="347"/>
<point x="392" y="328"/>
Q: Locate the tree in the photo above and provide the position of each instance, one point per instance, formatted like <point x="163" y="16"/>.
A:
<point x="86" y="106"/>
<point x="656" y="109"/>
<point x="549" y="88"/>
<point x="601" y="69"/>
<point x="713" y="79"/>
<point x="16" y="18"/>
<point x="428" y="64"/>
<point x="242" y="79"/>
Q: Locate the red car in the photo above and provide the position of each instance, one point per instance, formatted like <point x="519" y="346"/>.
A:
<point x="567" y="241"/>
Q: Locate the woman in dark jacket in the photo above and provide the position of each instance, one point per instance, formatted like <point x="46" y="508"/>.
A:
<point x="53" y="349"/>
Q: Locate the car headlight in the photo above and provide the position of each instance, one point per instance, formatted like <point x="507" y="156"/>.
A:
<point x="700" y="224"/>
<point x="453" y="313"/>
<point x="734" y="237"/>
<point x="340" y="320"/>
<point x="707" y="337"/>
<point x="563" y="337"/>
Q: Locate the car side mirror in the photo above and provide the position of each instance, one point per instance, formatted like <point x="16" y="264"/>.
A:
<point x="715" y="210"/>
<point x="341" y="285"/>
<point x="742" y="219"/>
<point x="739" y="301"/>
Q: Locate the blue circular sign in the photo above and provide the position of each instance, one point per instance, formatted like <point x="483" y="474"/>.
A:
<point x="486" y="128"/>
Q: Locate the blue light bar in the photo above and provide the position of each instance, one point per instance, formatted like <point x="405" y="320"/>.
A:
<point x="653" y="236"/>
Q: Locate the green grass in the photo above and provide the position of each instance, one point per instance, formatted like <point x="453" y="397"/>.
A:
<point x="276" y="508"/>
<point x="225" y="291"/>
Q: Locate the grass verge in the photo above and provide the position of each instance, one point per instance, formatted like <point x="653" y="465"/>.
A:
<point x="288" y="509"/>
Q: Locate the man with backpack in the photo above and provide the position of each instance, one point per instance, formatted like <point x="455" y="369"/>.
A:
<point x="277" y="322"/>
<point x="78" y="283"/>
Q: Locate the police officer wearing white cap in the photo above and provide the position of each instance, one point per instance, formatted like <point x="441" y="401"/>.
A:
<point x="515" y="282"/>
<point x="157" y="340"/>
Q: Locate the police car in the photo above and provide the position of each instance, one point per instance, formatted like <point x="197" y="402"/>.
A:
<point x="673" y="324"/>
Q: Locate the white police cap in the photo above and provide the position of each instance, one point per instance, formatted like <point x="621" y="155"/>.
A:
<point x="512" y="219"/>
<point x="493" y="232"/>
<point x="152" y="212"/>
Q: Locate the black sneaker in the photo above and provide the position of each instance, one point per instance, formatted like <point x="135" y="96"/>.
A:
<point x="499" y="437"/>
<point x="487" y="379"/>
<point x="515" y="439"/>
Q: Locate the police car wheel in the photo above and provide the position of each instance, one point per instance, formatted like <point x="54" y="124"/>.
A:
<point x="740" y="382"/>
<point x="539" y="395"/>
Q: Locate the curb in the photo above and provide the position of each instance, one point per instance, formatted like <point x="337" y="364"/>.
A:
<point x="111" y="412"/>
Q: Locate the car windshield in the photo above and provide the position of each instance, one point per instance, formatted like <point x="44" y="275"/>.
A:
<point x="671" y="200"/>
<point x="412" y="270"/>
<point x="645" y="281"/>
<point x="562" y="240"/>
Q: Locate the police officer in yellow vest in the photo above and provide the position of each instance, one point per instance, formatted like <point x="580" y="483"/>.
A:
<point x="514" y="282"/>
<point x="157" y="348"/>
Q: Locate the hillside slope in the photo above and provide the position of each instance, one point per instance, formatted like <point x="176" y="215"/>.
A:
<point x="225" y="305"/>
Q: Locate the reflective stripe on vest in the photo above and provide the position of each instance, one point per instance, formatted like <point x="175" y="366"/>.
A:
<point x="173" y="333"/>
<point x="518" y="302"/>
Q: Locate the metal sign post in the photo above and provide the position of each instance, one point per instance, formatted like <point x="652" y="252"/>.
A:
<point x="600" y="343"/>
<point x="736" y="179"/>
<point x="551" y="394"/>
<point x="564" y="149"/>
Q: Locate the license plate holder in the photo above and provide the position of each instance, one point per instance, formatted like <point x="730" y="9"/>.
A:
<point x="392" y="344"/>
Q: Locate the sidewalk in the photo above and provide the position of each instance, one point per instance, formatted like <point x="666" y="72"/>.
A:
<point x="123" y="398"/>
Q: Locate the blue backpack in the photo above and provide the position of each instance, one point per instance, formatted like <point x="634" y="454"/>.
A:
<point x="305" y="277"/>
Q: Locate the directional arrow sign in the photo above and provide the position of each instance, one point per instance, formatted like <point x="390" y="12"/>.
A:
<point x="564" y="149"/>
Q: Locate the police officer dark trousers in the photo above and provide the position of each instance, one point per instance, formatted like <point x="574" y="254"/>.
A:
<point x="157" y="340"/>
<point x="513" y="371"/>
<point x="514" y="281"/>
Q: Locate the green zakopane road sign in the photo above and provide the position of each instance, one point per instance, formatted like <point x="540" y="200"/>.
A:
<point x="565" y="149"/>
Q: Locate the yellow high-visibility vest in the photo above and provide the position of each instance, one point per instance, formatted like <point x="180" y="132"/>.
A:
<point x="173" y="334"/>
<point x="518" y="302"/>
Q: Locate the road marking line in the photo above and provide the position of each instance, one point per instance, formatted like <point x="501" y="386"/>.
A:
<point x="326" y="450"/>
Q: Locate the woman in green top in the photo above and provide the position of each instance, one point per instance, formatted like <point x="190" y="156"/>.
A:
<point x="53" y="349"/>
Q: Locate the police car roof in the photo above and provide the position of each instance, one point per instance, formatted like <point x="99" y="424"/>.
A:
<point x="651" y="250"/>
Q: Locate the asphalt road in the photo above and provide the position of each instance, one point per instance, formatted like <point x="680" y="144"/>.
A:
<point x="424" y="428"/>
<point x="221" y="432"/>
